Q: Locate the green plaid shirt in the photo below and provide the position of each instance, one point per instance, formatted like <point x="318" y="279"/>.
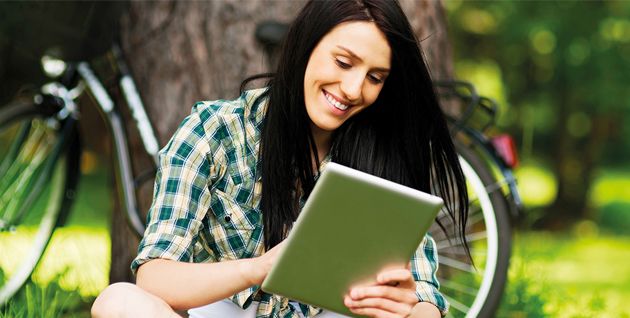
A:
<point x="206" y="203"/>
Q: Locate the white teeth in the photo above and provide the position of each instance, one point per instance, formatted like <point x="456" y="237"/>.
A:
<point x="335" y="103"/>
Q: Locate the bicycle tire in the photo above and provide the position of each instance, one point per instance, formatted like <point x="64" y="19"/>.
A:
<point x="475" y="290"/>
<point x="38" y="177"/>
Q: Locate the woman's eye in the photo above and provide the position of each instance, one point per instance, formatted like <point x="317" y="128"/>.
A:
<point x="376" y="79"/>
<point x="342" y="64"/>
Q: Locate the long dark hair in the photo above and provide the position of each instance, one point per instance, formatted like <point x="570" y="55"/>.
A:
<point x="402" y="137"/>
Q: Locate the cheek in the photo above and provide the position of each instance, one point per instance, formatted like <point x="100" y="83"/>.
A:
<point x="320" y="71"/>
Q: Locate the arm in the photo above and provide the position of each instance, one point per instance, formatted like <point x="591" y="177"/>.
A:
<point x="187" y="285"/>
<point x="180" y="204"/>
<point x="425" y="310"/>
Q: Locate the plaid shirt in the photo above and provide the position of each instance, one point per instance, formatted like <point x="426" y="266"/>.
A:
<point x="206" y="203"/>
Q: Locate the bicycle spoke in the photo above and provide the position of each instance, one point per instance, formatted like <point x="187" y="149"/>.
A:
<point x="457" y="305"/>
<point x="458" y="287"/>
<point x="472" y="237"/>
<point x="32" y="188"/>
<point x="19" y="176"/>
<point x="451" y="262"/>
<point x="459" y="251"/>
<point x="443" y="215"/>
<point x="469" y="238"/>
<point x="475" y="218"/>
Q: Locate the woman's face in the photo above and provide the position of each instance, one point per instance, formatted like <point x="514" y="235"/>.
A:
<point x="345" y="73"/>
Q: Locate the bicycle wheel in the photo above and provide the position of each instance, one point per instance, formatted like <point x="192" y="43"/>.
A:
<point x="475" y="289"/>
<point x="38" y="173"/>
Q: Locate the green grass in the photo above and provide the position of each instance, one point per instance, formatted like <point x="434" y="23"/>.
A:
<point x="552" y="275"/>
<point x="583" y="273"/>
<point x="575" y="274"/>
<point x="81" y="253"/>
<point x="49" y="300"/>
<point x="75" y="267"/>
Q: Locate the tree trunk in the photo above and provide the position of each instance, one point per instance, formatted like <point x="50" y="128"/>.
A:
<point x="182" y="52"/>
<point x="574" y="160"/>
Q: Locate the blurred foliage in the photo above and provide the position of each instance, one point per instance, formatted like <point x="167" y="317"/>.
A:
<point x="48" y="300"/>
<point x="536" y="184"/>
<point x="611" y="185"/>
<point x="528" y="52"/>
<point x="560" y="70"/>
<point x="615" y="217"/>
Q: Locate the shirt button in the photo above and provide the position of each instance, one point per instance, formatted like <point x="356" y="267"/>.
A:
<point x="227" y="218"/>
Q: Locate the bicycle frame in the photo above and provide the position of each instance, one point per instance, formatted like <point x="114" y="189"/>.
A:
<point x="111" y="115"/>
<point x="490" y="153"/>
<point x="481" y="141"/>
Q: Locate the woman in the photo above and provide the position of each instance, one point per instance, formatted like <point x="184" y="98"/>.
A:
<point x="351" y="87"/>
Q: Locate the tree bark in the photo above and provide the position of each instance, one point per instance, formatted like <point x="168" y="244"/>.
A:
<point x="182" y="52"/>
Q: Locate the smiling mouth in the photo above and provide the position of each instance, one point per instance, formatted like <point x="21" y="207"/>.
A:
<point x="334" y="102"/>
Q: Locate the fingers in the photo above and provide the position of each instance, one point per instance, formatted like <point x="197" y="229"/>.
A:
<point x="393" y="275"/>
<point x="394" y="296"/>
<point x="379" y="307"/>
<point x="376" y="312"/>
<point x="396" y="277"/>
<point x="383" y="291"/>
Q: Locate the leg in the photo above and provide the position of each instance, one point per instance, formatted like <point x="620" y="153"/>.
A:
<point x="129" y="300"/>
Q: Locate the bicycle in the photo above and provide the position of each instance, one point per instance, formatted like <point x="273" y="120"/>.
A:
<point x="475" y="289"/>
<point x="40" y="152"/>
<point x="47" y="175"/>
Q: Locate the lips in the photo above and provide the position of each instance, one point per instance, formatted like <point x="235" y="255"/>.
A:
<point x="333" y="101"/>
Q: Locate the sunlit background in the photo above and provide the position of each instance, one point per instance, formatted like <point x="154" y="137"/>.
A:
<point x="560" y="72"/>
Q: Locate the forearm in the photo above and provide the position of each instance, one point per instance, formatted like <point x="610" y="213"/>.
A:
<point x="187" y="285"/>
<point x="425" y="310"/>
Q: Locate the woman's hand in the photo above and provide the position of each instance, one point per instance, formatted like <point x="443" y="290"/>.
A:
<point x="393" y="295"/>
<point x="257" y="268"/>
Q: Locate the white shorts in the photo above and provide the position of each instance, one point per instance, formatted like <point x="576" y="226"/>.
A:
<point x="226" y="308"/>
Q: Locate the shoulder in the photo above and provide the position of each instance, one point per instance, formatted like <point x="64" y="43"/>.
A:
<point x="228" y="129"/>
<point x="221" y="121"/>
<point x="249" y="106"/>
<point x="217" y="133"/>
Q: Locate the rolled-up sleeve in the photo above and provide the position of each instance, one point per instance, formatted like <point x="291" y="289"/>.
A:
<point x="181" y="196"/>
<point x="424" y="266"/>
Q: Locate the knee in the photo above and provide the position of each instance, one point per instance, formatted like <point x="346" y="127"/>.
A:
<point x="111" y="301"/>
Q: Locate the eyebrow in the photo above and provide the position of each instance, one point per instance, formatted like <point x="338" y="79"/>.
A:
<point x="380" y="69"/>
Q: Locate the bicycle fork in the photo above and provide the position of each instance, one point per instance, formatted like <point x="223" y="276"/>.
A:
<point x="123" y="173"/>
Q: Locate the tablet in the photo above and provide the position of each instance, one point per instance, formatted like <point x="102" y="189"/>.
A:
<point x="352" y="226"/>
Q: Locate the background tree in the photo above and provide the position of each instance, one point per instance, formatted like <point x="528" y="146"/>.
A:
<point x="564" y="67"/>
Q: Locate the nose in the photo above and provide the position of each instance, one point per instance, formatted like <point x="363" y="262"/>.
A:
<point x="351" y="86"/>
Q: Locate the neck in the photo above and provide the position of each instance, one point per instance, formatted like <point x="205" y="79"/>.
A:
<point x="323" y="141"/>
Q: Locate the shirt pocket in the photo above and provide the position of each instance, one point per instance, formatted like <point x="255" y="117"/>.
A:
<point x="233" y="227"/>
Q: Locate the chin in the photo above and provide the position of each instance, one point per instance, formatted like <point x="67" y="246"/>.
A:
<point x="327" y="126"/>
